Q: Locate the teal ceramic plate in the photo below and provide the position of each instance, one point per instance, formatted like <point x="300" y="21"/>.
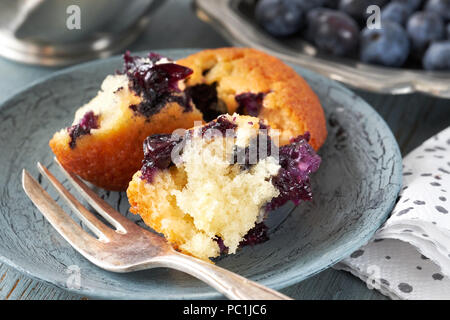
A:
<point x="354" y="191"/>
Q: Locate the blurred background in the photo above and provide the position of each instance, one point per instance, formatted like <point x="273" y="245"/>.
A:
<point x="35" y="42"/>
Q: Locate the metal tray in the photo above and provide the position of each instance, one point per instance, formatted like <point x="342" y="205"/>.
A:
<point x="234" y="19"/>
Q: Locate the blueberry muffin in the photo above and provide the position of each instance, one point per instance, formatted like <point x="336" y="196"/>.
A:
<point x="155" y="95"/>
<point x="209" y="189"/>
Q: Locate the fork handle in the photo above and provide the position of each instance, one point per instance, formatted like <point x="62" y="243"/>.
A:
<point x="226" y="282"/>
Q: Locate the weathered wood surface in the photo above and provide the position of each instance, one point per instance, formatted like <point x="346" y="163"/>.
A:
<point x="412" y="118"/>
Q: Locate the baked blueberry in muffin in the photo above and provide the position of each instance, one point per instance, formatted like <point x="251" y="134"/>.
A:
<point x="209" y="189"/>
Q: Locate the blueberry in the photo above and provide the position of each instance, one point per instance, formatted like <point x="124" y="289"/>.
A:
<point x="88" y="122"/>
<point x="280" y="17"/>
<point x="157" y="154"/>
<point x="412" y="4"/>
<point x="250" y="103"/>
<point x="358" y="8"/>
<point x="423" y="28"/>
<point x="437" y="57"/>
<point x="298" y="160"/>
<point x="441" y="7"/>
<point x="388" y="46"/>
<point x="157" y="84"/>
<point x="257" y="234"/>
<point x="332" y="31"/>
<point x="206" y="100"/>
<point x="396" y="12"/>
<point x="222" y="125"/>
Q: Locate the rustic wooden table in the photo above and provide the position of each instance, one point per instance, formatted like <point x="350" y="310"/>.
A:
<point x="412" y="118"/>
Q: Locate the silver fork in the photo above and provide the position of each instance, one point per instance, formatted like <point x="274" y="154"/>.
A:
<point x="128" y="247"/>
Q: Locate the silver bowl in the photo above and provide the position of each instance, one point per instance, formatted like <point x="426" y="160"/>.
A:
<point x="47" y="32"/>
<point x="233" y="19"/>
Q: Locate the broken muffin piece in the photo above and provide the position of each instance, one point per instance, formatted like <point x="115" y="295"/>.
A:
<point x="209" y="189"/>
<point x="103" y="145"/>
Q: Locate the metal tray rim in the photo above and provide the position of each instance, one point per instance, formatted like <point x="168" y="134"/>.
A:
<point x="224" y="17"/>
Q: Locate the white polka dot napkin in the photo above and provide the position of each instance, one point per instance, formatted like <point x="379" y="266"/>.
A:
<point x="409" y="257"/>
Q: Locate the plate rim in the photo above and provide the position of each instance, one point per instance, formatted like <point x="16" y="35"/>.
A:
<point x="276" y="284"/>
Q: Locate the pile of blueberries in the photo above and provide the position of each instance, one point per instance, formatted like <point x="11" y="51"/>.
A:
<point x="411" y="33"/>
